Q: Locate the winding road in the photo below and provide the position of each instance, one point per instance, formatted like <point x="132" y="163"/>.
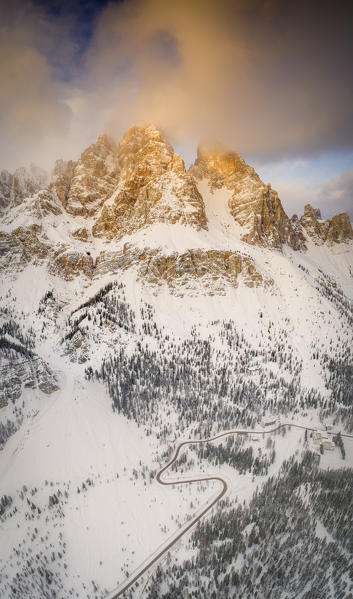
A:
<point x="140" y="571"/>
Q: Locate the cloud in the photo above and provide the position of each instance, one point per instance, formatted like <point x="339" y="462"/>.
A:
<point x="28" y="96"/>
<point x="253" y="74"/>
<point x="34" y="116"/>
<point x="270" y="79"/>
<point x="332" y="196"/>
<point x="336" y="194"/>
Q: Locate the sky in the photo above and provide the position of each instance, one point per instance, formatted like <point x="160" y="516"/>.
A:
<point x="269" y="79"/>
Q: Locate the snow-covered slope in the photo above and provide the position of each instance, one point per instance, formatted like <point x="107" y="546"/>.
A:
<point x="141" y="304"/>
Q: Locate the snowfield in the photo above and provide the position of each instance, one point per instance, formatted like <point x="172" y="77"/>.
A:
<point x="79" y="458"/>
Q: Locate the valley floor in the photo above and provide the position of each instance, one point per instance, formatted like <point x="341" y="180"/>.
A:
<point x="89" y="510"/>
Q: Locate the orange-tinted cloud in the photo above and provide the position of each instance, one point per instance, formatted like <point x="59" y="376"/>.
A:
<point x="260" y="76"/>
<point x="268" y="78"/>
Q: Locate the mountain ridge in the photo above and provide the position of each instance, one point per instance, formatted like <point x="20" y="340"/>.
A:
<point x="197" y="311"/>
<point x="114" y="191"/>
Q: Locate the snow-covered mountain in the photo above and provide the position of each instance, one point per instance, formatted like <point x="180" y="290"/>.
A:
<point x="142" y="303"/>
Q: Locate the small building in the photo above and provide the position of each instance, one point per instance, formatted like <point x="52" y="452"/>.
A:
<point x="269" y="421"/>
<point x="328" y="445"/>
<point x="317" y="437"/>
<point x="321" y="438"/>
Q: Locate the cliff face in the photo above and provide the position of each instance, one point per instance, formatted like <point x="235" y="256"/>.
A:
<point x="315" y="229"/>
<point x="25" y="182"/>
<point x="21" y="247"/>
<point x="195" y="272"/>
<point x="254" y="205"/>
<point x="340" y="229"/>
<point x="74" y="223"/>
<point x="214" y="269"/>
<point x="5" y="190"/>
<point x="336" y="230"/>
<point x="153" y="187"/>
<point x="83" y="186"/>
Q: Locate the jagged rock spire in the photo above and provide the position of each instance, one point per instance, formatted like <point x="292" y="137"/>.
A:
<point x="336" y="230"/>
<point x="254" y="205"/>
<point x="153" y="187"/>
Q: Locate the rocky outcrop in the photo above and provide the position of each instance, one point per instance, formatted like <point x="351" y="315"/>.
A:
<point x="61" y="180"/>
<point x="197" y="271"/>
<point x="45" y="203"/>
<point x="25" y="246"/>
<point x="208" y="272"/>
<point x="254" y="205"/>
<point x="22" y="247"/>
<point x="20" y="373"/>
<point x="205" y="271"/>
<point x="336" y="230"/>
<point x="6" y="180"/>
<point x="153" y="187"/>
<point x="83" y="186"/>
<point x="113" y="191"/>
<point x="81" y="234"/>
<point x="69" y="264"/>
<point x="34" y="209"/>
<point x="340" y="229"/>
<point x="24" y="183"/>
<point x="314" y="228"/>
<point x="265" y="220"/>
<point x="221" y="168"/>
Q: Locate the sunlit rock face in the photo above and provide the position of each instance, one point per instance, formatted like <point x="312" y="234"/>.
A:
<point x="254" y="205"/>
<point x="153" y="187"/>
<point x="221" y="168"/>
<point x="336" y="230"/>
<point x="83" y="220"/>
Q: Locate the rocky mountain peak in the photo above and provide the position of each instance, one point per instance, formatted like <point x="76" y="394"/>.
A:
<point x="23" y="183"/>
<point x="222" y="167"/>
<point x="100" y="158"/>
<point x="83" y="186"/>
<point x="153" y="187"/>
<point x="145" y="149"/>
<point x="104" y="140"/>
<point x="316" y="230"/>
<point x="310" y="212"/>
<point x="253" y="204"/>
<point x="123" y="188"/>
<point x="336" y="230"/>
<point x="340" y="229"/>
